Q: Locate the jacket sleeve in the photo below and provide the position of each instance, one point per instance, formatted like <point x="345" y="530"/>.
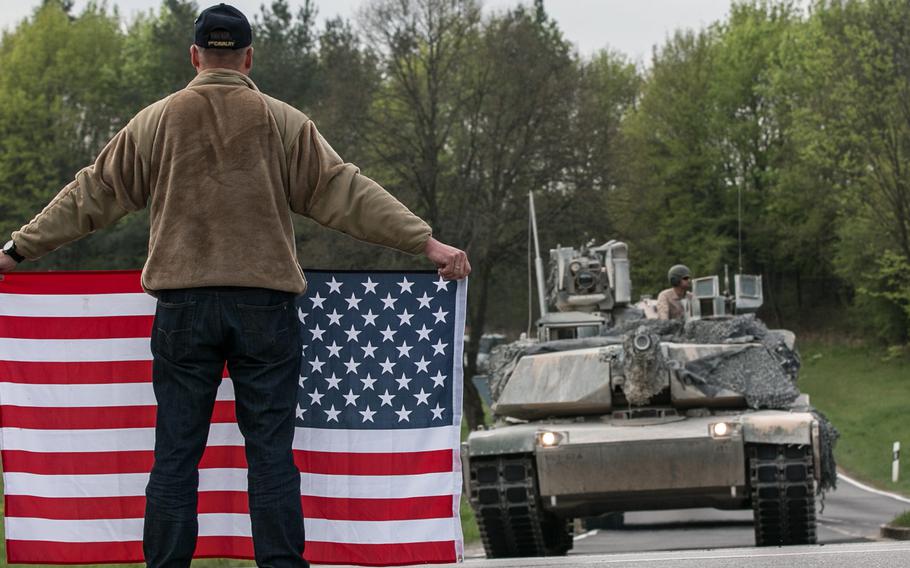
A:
<point x="101" y="194"/>
<point x="335" y="194"/>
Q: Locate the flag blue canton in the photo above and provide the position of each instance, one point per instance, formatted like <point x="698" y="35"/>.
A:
<point x="379" y="351"/>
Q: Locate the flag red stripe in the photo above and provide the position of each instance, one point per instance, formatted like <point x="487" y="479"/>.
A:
<point x="76" y="373"/>
<point x="76" y="282"/>
<point x="380" y="554"/>
<point x="140" y="461"/>
<point x="90" y="417"/>
<point x="43" y="552"/>
<point x="76" y="328"/>
<point x="133" y="507"/>
<point x="79" y="373"/>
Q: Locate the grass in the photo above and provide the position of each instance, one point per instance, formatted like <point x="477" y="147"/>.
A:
<point x="902" y="520"/>
<point x="866" y="396"/>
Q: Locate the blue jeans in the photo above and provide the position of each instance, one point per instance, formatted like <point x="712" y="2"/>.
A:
<point x="255" y="331"/>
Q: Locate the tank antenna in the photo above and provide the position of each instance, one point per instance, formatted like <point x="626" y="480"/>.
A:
<point x="739" y="220"/>
<point x="538" y="263"/>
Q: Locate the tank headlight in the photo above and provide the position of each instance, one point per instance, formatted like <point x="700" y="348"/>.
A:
<point x="723" y="429"/>
<point x="550" y="439"/>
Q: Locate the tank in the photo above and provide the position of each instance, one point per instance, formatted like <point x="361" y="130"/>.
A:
<point x="608" y="411"/>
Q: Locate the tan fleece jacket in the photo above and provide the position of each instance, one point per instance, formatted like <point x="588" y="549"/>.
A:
<point x="221" y="167"/>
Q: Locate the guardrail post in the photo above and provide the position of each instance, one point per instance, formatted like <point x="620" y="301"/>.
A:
<point x="896" y="461"/>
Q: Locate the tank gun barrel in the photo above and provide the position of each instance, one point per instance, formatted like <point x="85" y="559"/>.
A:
<point x="538" y="263"/>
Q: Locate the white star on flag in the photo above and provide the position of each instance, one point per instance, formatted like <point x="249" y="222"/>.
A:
<point x="403" y="414"/>
<point x="333" y="382"/>
<point x="424" y="301"/>
<point x="386" y="398"/>
<point x="388" y="333"/>
<point x="351" y="398"/>
<point x="317" y="301"/>
<point x="316" y="397"/>
<point x="353" y="302"/>
<point x="422" y="397"/>
<point x="424" y="332"/>
<point x="387" y="366"/>
<point x="439" y="380"/>
<point x="440" y="348"/>
<point x="370" y="286"/>
<point x="403" y="382"/>
<point x="334" y="318"/>
<point x="334" y="286"/>
<point x="405" y="318"/>
<point x="388" y="303"/>
<point x="317" y="333"/>
<point x="404" y="350"/>
<point x="317" y="365"/>
<point x="368" y="382"/>
<point x="440" y="315"/>
<point x="437" y="412"/>
<point x="334" y="349"/>
<point x="368" y="350"/>
<point x="441" y="285"/>
<point x="367" y="414"/>
<point x="333" y="414"/>
<point x="352" y="334"/>
<point x="422" y="365"/>
<point x="352" y="366"/>
<point x="369" y="318"/>
<point x="405" y="285"/>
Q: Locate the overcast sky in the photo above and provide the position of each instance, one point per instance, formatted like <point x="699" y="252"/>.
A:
<point x="630" y="26"/>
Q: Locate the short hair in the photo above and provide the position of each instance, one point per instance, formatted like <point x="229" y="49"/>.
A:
<point x="229" y="58"/>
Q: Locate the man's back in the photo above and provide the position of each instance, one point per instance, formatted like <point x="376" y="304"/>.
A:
<point x="218" y="188"/>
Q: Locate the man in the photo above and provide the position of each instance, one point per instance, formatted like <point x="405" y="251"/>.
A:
<point x="670" y="301"/>
<point x="221" y="166"/>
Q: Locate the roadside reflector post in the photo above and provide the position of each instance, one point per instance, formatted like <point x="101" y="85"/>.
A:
<point x="896" y="462"/>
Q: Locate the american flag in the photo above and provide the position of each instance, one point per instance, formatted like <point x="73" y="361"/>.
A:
<point x="378" y="421"/>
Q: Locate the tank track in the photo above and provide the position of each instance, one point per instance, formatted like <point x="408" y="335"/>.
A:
<point x="783" y="494"/>
<point x="506" y="503"/>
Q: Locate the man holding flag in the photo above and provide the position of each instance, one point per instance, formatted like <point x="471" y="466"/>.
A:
<point x="221" y="166"/>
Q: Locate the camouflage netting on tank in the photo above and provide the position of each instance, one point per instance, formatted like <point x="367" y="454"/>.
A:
<point x="644" y="366"/>
<point x="828" y="435"/>
<point x="504" y="358"/>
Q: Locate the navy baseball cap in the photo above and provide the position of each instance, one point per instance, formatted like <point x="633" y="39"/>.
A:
<point x="223" y="27"/>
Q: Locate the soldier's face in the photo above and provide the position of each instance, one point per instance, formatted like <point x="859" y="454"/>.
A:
<point x="686" y="283"/>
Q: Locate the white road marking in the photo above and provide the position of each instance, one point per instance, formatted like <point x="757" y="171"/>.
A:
<point x="586" y="534"/>
<point x="865" y="487"/>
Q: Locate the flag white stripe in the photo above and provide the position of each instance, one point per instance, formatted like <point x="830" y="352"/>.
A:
<point x="77" y="305"/>
<point x="230" y="479"/>
<point x="378" y="441"/>
<point x="233" y="525"/>
<point x="76" y="350"/>
<point x="226" y="434"/>
<point x="90" y="395"/>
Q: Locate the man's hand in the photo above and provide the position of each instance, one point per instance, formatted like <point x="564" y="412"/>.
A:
<point x="7" y="264"/>
<point x="452" y="263"/>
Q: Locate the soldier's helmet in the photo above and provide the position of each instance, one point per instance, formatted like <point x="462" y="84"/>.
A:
<point x="677" y="273"/>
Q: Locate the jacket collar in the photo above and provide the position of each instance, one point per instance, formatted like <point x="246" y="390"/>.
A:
<point x="222" y="77"/>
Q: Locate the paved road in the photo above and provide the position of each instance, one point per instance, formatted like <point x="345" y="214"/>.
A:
<point x="891" y="554"/>
<point x="708" y="538"/>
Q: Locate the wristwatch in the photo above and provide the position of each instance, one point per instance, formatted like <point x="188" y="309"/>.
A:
<point x="9" y="249"/>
